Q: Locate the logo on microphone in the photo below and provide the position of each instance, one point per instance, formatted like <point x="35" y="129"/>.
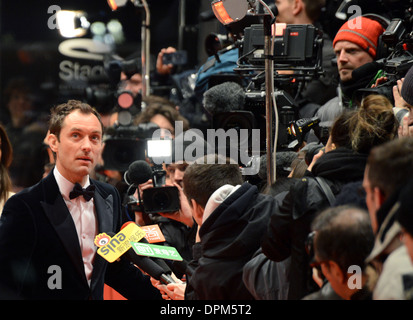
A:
<point x="111" y="248"/>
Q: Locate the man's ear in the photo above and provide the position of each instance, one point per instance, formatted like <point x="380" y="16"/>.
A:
<point x="378" y="197"/>
<point x="336" y="271"/>
<point x="298" y="6"/>
<point x="52" y="141"/>
<point x="197" y="211"/>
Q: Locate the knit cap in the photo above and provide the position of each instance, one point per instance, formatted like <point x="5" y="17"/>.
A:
<point x="407" y="88"/>
<point x="364" y="32"/>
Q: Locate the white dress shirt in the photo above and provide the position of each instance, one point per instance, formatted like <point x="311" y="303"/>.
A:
<point x="84" y="216"/>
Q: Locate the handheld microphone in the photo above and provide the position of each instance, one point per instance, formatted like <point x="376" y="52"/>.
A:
<point x="138" y="172"/>
<point x="158" y="261"/>
<point x="147" y="265"/>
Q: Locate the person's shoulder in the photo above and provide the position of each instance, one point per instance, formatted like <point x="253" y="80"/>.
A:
<point x="103" y="187"/>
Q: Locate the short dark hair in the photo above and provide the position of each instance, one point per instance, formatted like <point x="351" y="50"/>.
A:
<point x="158" y="105"/>
<point x="313" y="8"/>
<point x="343" y="235"/>
<point x="390" y="165"/>
<point x="202" y="179"/>
<point x="60" y="112"/>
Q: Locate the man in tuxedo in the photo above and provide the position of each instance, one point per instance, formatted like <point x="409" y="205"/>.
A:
<point x="47" y="231"/>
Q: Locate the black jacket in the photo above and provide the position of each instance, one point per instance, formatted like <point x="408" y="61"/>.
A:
<point x="37" y="232"/>
<point x="291" y="222"/>
<point x="229" y="238"/>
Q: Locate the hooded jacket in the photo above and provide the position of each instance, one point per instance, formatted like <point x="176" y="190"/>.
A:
<point x="235" y="220"/>
<point x="291" y="221"/>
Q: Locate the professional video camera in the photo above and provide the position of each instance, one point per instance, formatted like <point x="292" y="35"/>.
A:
<point x="297" y="59"/>
<point x="160" y="198"/>
<point x="103" y="91"/>
<point x="397" y="40"/>
<point x="124" y="142"/>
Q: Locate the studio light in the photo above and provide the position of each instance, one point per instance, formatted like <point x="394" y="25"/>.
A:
<point x="72" y="23"/>
<point x="115" y="4"/>
<point x="229" y="11"/>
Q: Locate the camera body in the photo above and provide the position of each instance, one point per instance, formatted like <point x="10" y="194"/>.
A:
<point x="160" y="198"/>
<point x="298" y="49"/>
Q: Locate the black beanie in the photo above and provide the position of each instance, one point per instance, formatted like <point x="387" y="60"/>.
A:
<point x="404" y="213"/>
<point x="407" y="88"/>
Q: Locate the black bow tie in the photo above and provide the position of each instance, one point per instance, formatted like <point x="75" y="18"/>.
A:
<point x="79" y="191"/>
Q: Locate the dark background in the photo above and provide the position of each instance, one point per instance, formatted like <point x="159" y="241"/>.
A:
<point x="29" y="48"/>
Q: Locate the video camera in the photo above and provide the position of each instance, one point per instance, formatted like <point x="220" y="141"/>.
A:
<point x="297" y="59"/>
<point x="124" y="141"/>
<point x="397" y="40"/>
<point x="160" y="198"/>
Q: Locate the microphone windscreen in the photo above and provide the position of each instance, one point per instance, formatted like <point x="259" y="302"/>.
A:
<point x="224" y="97"/>
<point x="139" y="172"/>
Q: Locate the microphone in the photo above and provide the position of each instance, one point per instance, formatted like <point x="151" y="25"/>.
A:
<point x="224" y="97"/>
<point x="147" y="265"/>
<point x="159" y="262"/>
<point x="138" y="172"/>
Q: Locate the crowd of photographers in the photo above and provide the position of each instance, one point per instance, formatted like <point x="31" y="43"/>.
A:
<point x="335" y="224"/>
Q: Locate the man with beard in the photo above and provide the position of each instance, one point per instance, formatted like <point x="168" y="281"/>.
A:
<point x="355" y="44"/>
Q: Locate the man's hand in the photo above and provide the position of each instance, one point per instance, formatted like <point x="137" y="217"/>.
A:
<point x="161" y="68"/>
<point x="184" y="214"/>
<point x="404" y="129"/>
<point x="172" y="291"/>
<point x="398" y="100"/>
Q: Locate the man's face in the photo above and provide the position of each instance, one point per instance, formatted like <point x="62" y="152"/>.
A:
<point x="134" y="84"/>
<point x="350" y="56"/>
<point x="285" y="11"/>
<point x="78" y="147"/>
<point x="176" y="172"/>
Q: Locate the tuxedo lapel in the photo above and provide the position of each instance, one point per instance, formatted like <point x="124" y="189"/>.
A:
<point x="59" y="216"/>
<point x="104" y="212"/>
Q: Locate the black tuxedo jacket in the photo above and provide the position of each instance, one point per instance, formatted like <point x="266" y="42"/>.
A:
<point x="39" y="248"/>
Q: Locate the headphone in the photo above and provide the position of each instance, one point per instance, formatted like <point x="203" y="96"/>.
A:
<point x="382" y="48"/>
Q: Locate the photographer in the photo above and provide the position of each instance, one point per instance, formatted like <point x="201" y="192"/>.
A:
<point x="342" y="238"/>
<point x="352" y="135"/>
<point x="179" y="227"/>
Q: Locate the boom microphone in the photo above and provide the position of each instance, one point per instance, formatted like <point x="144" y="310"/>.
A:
<point x="138" y="172"/>
<point x="224" y="97"/>
<point x="146" y="265"/>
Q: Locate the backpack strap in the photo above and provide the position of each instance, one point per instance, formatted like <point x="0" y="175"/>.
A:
<point x="326" y="189"/>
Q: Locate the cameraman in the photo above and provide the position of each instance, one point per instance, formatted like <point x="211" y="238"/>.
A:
<point x="308" y="12"/>
<point x="178" y="228"/>
<point x="354" y="47"/>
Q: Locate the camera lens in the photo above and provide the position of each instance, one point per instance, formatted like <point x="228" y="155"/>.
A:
<point x="161" y="198"/>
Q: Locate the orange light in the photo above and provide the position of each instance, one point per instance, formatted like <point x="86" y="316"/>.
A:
<point x="221" y="13"/>
<point x="112" y="4"/>
<point x="279" y="29"/>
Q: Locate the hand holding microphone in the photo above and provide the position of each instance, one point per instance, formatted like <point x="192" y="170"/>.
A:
<point x="171" y="291"/>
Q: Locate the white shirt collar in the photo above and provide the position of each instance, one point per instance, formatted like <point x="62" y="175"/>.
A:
<point x="65" y="186"/>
